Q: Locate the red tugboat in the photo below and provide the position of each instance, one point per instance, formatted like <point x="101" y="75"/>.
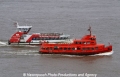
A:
<point x="85" y="46"/>
<point x="22" y="36"/>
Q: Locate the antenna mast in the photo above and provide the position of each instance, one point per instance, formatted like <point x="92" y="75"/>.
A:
<point x="90" y="30"/>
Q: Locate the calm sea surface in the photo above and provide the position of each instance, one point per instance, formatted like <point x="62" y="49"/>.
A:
<point x="65" y="16"/>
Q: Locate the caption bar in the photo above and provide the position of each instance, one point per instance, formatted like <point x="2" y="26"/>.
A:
<point x="59" y="75"/>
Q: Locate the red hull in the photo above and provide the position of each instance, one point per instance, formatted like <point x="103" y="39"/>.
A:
<point x="45" y="49"/>
<point x="85" y="46"/>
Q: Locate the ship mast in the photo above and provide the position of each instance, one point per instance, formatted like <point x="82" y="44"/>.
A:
<point x="90" y="30"/>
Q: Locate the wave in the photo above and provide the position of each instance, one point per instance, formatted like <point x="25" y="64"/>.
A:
<point x="6" y="44"/>
<point x="22" y="52"/>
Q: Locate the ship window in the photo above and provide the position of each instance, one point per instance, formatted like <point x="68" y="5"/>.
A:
<point x="47" y="48"/>
<point x="83" y="48"/>
<point x="78" y="48"/>
<point x="50" y="38"/>
<point x="55" y="48"/>
<point x="88" y="42"/>
<point x="55" y="38"/>
<point x="33" y="38"/>
<point x="88" y="48"/>
<point x="73" y="48"/>
<point x="60" y="48"/>
<point x="65" y="37"/>
<point x="43" y="48"/>
<point x="41" y="38"/>
<point x="96" y="48"/>
<point x="92" y="48"/>
<point x="84" y="43"/>
<point x="76" y="42"/>
<point x="37" y="38"/>
<point x="92" y="38"/>
<point x="45" y="38"/>
<point x="22" y="37"/>
<point x="65" y="48"/>
<point x="50" y="48"/>
<point x="80" y="42"/>
<point x="69" y="48"/>
<point x="60" y="37"/>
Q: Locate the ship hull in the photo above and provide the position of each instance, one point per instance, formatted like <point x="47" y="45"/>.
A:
<point x="77" y="53"/>
<point x="39" y="42"/>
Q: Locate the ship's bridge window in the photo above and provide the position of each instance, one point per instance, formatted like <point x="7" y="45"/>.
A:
<point x="84" y="43"/>
<point x="92" y="38"/>
<point x="80" y="42"/>
<point x="23" y="29"/>
<point x="88" y="42"/>
<point x="76" y="43"/>
<point x="66" y="37"/>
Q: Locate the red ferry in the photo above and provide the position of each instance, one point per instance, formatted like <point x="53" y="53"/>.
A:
<point x="85" y="46"/>
<point x="22" y="36"/>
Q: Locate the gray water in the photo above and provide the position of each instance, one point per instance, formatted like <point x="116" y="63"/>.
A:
<point x="65" y="16"/>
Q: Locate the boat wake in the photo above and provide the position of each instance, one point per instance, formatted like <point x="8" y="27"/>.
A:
<point x="35" y="53"/>
<point x="105" y="54"/>
<point x="6" y="44"/>
<point x="101" y="54"/>
<point x="23" y="52"/>
<point x="3" y="43"/>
